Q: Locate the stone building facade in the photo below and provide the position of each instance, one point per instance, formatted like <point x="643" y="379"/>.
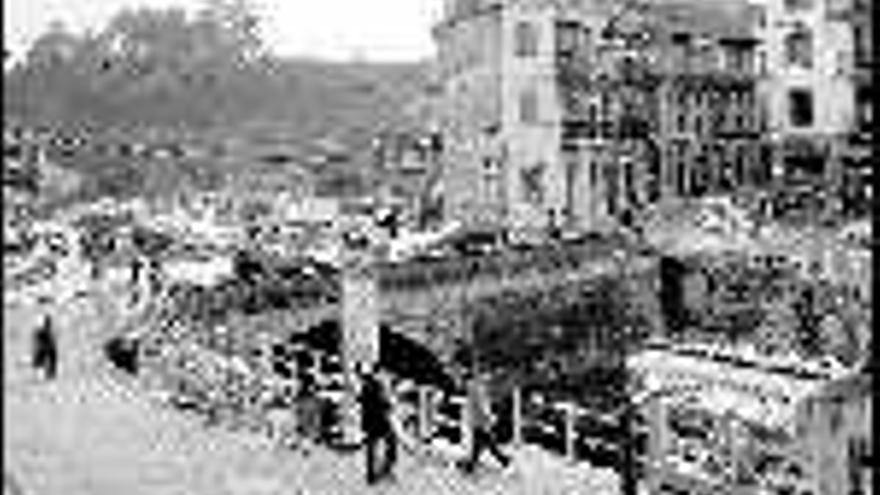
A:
<point x="549" y="117"/>
<point x="817" y="92"/>
<point x="710" y="128"/>
<point x="515" y="145"/>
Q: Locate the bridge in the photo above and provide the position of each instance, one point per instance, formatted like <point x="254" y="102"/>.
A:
<point x="486" y="304"/>
<point x="440" y="302"/>
<point x="479" y="305"/>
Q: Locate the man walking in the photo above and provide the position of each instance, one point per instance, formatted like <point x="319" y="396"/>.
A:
<point x="482" y="438"/>
<point x="376" y="423"/>
<point x="135" y="268"/>
<point x="45" y="350"/>
<point x="154" y="274"/>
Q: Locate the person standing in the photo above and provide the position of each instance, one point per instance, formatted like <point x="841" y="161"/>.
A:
<point x="135" y="268"/>
<point x="307" y="405"/>
<point x="154" y="275"/>
<point x="282" y="416"/>
<point x="376" y="424"/>
<point x="481" y="417"/>
<point x="45" y="351"/>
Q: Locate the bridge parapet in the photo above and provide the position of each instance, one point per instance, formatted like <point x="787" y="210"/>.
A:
<point x="437" y="312"/>
<point x="501" y="266"/>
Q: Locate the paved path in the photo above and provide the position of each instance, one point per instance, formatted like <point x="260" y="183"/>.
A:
<point x="88" y="433"/>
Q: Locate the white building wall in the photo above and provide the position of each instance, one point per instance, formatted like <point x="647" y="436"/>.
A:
<point x="531" y="144"/>
<point x="828" y="78"/>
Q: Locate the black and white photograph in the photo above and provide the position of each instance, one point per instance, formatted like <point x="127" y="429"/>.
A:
<point x="438" y="247"/>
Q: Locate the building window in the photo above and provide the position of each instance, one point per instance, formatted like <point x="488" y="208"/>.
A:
<point x="861" y="44"/>
<point x="864" y="108"/>
<point x="761" y="17"/>
<point x="567" y="41"/>
<point x="489" y="173"/>
<point x="612" y="188"/>
<point x="836" y="417"/>
<point x="681" y="122"/>
<point x="526" y="39"/>
<point x="681" y="169"/>
<point x="592" y="120"/>
<point x="533" y="184"/>
<point x="800" y="103"/>
<point x="798" y="4"/>
<point x="799" y="48"/>
<point x="528" y="107"/>
<point x="857" y="451"/>
<point x="585" y="40"/>
<point x="739" y="166"/>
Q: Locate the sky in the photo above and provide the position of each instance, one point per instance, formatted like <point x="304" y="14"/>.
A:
<point x="369" y="30"/>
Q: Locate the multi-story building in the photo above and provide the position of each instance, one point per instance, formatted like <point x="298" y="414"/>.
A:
<point x="727" y="421"/>
<point x="472" y="39"/>
<point x="609" y="113"/>
<point x="408" y="165"/>
<point x="709" y="128"/>
<point x="570" y="112"/>
<point x="524" y="144"/>
<point x="817" y="91"/>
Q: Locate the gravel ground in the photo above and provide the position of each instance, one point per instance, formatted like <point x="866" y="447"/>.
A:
<point x="88" y="433"/>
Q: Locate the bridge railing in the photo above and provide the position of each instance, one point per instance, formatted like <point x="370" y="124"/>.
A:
<point x="572" y="431"/>
<point x="431" y="418"/>
<point x="507" y="264"/>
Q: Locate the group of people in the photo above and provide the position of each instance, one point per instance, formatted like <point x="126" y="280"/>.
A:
<point x="298" y="419"/>
<point x="381" y="433"/>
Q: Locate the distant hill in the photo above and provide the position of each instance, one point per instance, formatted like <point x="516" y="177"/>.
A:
<point x="312" y="99"/>
<point x="302" y="101"/>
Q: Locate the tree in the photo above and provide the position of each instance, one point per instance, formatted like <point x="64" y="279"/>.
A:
<point x="147" y="65"/>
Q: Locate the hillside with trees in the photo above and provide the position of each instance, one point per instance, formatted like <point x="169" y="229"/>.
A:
<point x="199" y="71"/>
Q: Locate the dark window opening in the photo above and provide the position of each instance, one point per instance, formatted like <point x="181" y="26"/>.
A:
<point x="862" y="45"/>
<point x="800" y="107"/>
<point x="864" y="108"/>
<point x="526" y="40"/>
<point x="799" y="48"/>
<point x="798" y="4"/>
<point x="567" y="39"/>
<point x="528" y="110"/>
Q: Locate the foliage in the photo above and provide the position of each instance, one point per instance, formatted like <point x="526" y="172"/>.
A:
<point x="152" y="68"/>
<point x="546" y="336"/>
